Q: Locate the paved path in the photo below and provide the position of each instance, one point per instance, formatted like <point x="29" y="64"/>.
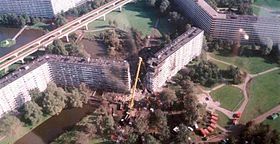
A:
<point x="263" y="117"/>
<point x="221" y="128"/>
<point x="213" y="105"/>
<point x="265" y="72"/>
<point x="97" y="30"/>
<point x="243" y="87"/>
<point x="209" y="57"/>
<point x="21" y="30"/>
<point x="264" y="8"/>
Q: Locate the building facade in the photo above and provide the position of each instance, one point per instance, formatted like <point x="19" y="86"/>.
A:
<point x="172" y="58"/>
<point x="37" y="8"/>
<point x="101" y="74"/>
<point x="227" y="26"/>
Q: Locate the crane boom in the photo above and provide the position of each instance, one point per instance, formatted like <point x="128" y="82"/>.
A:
<point x="131" y="104"/>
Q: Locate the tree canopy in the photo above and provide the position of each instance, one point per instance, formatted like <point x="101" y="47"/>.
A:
<point x="9" y="125"/>
<point x="32" y="113"/>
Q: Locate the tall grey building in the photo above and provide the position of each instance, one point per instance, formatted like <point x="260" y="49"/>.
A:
<point x="227" y="26"/>
<point x="107" y="75"/>
<point x="172" y="58"/>
<point x="37" y="8"/>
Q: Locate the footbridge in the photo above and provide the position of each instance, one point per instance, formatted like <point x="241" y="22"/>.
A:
<point x="63" y="31"/>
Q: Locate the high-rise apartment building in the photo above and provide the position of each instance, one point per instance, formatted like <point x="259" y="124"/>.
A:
<point x="37" y="8"/>
<point x="100" y="74"/>
<point x="172" y="58"/>
<point x="227" y="26"/>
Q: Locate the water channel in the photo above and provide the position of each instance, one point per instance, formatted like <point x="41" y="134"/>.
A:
<point x="54" y="126"/>
<point x="26" y="36"/>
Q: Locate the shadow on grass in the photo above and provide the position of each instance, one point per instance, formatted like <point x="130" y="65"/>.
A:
<point x="247" y="53"/>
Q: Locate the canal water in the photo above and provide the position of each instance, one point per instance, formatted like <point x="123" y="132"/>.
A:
<point x="26" y="36"/>
<point x="56" y="125"/>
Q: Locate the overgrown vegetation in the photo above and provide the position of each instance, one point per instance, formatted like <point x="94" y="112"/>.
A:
<point x="175" y="18"/>
<point x="257" y="133"/>
<point x="235" y="6"/>
<point x="72" y="48"/>
<point x="208" y="74"/>
<point x="153" y="123"/>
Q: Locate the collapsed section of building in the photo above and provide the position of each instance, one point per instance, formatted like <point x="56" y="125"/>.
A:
<point x="107" y="75"/>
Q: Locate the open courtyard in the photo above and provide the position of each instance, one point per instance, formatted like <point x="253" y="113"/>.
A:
<point x="138" y="16"/>
<point x="228" y="96"/>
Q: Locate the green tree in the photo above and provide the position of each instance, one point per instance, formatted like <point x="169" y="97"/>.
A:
<point x="267" y="46"/>
<point x="57" y="47"/>
<point x="206" y="73"/>
<point x="68" y="137"/>
<point x="32" y="113"/>
<point x="149" y="139"/>
<point x="9" y="125"/>
<point x="21" y="21"/>
<point x="258" y="134"/>
<point x="174" y="16"/>
<point x="164" y="5"/>
<point x="60" y="20"/>
<point x="75" y="99"/>
<point x="190" y="107"/>
<point x="151" y="2"/>
<point x="85" y="92"/>
<point x="34" y="20"/>
<point x="36" y="96"/>
<point x="168" y="96"/>
<point x="182" y="136"/>
<point x="54" y="101"/>
<point x="132" y="139"/>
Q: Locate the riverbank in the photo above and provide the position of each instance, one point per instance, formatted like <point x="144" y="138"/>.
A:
<point x="52" y="127"/>
<point x="21" y="131"/>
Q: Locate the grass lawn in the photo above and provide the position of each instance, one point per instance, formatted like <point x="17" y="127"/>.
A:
<point x="39" y="26"/>
<point x="228" y="96"/>
<point x="273" y="4"/>
<point x="223" y="119"/>
<point x="20" y="132"/>
<point x="250" y="64"/>
<point x="275" y="124"/>
<point x="219" y="64"/>
<point x="100" y="141"/>
<point x="136" y="15"/>
<point x="264" y="94"/>
<point x="266" y="7"/>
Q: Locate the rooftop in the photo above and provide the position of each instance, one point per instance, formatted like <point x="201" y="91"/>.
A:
<point x="214" y="14"/>
<point x="57" y="59"/>
<point x="211" y="11"/>
<point x="175" y="45"/>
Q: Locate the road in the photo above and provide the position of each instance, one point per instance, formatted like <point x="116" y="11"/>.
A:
<point x="60" y="32"/>
<point x="263" y="117"/>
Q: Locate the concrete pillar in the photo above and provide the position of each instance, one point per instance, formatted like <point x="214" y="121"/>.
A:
<point x="6" y="69"/>
<point x="22" y="60"/>
<point x="120" y="9"/>
<point x="86" y="27"/>
<point x="67" y="38"/>
<point x="104" y="17"/>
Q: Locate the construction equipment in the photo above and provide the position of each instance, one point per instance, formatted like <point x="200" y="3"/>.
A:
<point x="126" y="116"/>
<point x="132" y="92"/>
